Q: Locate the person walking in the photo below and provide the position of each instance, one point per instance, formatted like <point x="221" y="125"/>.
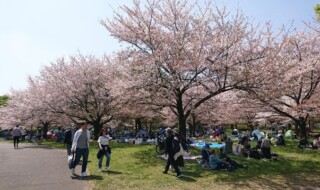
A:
<point x="16" y="133"/>
<point x="68" y="141"/>
<point x="80" y="146"/>
<point x="103" y="141"/>
<point x="171" y="148"/>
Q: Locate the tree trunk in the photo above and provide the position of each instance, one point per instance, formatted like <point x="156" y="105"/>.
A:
<point x="311" y="125"/>
<point x="193" y="125"/>
<point x="150" y="128"/>
<point x="181" y="116"/>
<point x="138" y="124"/>
<point x="302" y="129"/>
<point x="250" y="125"/>
<point x="182" y="126"/>
<point x="31" y="132"/>
<point x="45" y="129"/>
<point x="97" y="128"/>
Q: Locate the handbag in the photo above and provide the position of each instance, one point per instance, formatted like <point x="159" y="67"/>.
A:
<point x="180" y="153"/>
<point x="70" y="160"/>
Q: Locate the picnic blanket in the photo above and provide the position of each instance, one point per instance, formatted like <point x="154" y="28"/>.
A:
<point x="185" y="157"/>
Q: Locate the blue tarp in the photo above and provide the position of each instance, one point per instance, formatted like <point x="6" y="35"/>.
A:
<point x="257" y="133"/>
<point x="212" y="145"/>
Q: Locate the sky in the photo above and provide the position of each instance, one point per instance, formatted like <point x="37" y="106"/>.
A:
<point x="35" y="33"/>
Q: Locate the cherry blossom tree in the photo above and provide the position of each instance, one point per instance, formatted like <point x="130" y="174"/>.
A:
<point x="10" y="114"/>
<point x="78" y="88"/>
<point x="26" y="108"/>
<point x="41" y="114"/>
<point x="181" y="55"/>
<point x="292" y="88"/>
<point x="17" y="110"/>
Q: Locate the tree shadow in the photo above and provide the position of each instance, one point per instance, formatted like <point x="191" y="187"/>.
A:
<point x="90" y="177"/>
<point x="187" y="178"/>
<point x="35" y="147"/>
<point x="193" y="174"/>
<point x="112" y="172"/>
<point x="263" y="173"/>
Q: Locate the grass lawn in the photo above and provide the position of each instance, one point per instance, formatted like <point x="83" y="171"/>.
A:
<point x="137" y="167"/>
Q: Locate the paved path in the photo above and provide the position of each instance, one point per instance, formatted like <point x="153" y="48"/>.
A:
<point x="33" y="167"/>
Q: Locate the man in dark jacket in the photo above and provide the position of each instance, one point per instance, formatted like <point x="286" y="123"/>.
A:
<point x="68" y="141"/>
<point x="69" y="137"/>
<point x="171" y="148"/>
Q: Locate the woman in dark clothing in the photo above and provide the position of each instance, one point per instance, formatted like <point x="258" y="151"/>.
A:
<point x="171" y="148"/>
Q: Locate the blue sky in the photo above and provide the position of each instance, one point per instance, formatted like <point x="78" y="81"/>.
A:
<point x="35" y="32"/>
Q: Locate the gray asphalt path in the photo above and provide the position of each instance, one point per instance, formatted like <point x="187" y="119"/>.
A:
<point x="37" y="167"/>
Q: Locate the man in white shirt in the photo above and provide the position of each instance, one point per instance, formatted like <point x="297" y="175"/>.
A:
<point x="80" y="146"/>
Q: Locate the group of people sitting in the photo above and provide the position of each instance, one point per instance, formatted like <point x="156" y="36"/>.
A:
<point x="304" y="143"/>
<point x="261" y="150"/>
<point x="217" y="162"/>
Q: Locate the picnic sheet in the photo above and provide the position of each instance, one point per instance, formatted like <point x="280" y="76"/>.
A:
<point x="185" y="157"/>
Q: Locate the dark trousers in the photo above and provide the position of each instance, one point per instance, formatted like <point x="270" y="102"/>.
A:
<point x="221" y="166"/>
<point x="180" y="161"/>
<point x="84" y="152"/>
<point x="15" y="141"/>
<point x="266" y="152"/>
<point x="171" y="161"/>
<point x="69" y="149"/>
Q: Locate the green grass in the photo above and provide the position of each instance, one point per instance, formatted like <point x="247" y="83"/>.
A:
<point x="137" y="167"/>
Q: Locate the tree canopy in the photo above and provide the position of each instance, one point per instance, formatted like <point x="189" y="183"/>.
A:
<point x="4" y="100"/>
<point x="317" y="11"/>
<point x="181" y="63"/>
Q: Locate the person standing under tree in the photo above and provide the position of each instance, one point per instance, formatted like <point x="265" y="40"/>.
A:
<point x="103" y="141"/>
<point x="68" y="138"/>
<point x="171" y="148"/>
<point x="80" y="146"/>
<point x="16" y="133"/>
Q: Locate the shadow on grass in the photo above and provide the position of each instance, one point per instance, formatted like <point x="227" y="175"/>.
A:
<point x="187" y="178"/>
<point x="91" y="177"/>
<point x="35" y="147"/>
<point x="112" y="172"/>
<point x="279" y="174"/>
<point x="290" y="181"/>
<point x="191" y="175"/>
